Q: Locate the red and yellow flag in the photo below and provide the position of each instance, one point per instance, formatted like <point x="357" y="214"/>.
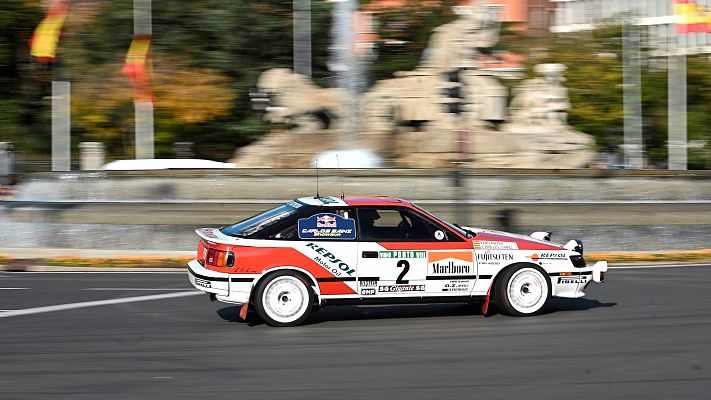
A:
<point x="44" y="41"/>
<point x="691" y="17"/>
<point x="137" y="67"/>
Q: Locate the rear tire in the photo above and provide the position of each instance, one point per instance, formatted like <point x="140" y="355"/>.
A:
<point x="522" y="290"/>
<point x="283" y="299"/>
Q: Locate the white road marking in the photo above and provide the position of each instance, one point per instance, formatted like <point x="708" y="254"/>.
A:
<point x="659" y="266"/>
<point x="14" y="288"/>
<point x="71" y="306"/>
<point x="135" y="289"/>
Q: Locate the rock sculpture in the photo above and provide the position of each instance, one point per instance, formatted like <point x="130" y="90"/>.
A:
<point x="405" y="118"/>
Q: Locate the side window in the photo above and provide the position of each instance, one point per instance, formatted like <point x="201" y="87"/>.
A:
<point x="291" y="231"/>
<point x="392" y="224"/>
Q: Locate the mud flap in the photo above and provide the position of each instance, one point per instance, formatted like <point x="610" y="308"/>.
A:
<point x="485" y="306"/>
<point x="243" y="311"/>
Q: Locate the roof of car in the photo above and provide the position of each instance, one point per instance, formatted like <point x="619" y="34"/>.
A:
<point x="352" y="201"/>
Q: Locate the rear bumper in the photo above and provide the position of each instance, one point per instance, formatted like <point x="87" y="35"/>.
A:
<point x="208" y="281"/>
<point x="228" y="288"/>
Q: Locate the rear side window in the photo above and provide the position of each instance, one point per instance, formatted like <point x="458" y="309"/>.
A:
<point x="253" y="226"/>
<point x="326" y="220"/>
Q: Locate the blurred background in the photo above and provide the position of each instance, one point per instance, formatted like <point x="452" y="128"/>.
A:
<point x="514" y="114"/>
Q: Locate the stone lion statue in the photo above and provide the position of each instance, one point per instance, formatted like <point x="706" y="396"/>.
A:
<point x="542" y="100"/>
<point x="294" y="99"/>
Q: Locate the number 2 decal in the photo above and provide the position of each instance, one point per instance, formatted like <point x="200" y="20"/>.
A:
<point x="405" y="268"/>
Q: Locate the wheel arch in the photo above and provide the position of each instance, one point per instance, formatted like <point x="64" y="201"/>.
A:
<point x="311" y="280"/>
<point x="497" y="276"/>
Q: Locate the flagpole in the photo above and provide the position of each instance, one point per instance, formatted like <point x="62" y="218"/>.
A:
<point x="45" y="51"/>
<point x="143" y="107"/>
<point x="677" y="132"/>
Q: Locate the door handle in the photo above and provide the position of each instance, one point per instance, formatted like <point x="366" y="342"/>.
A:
<point x="370" y="254"/>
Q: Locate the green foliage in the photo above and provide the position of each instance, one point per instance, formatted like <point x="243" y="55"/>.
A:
<point x="206" y="56"/>
<point x="594" y="80"/>
<point x="22" y="106"/>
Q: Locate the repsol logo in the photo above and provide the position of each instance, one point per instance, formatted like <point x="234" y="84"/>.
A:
<point x="494" y="257"/>
<point x="330" y="261"/>
<point x="553" y="255"/>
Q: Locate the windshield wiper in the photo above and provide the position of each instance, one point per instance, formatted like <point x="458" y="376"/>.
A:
<point x="465" y="230"/>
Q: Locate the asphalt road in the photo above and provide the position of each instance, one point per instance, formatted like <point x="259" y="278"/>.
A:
<point x="645" y="334"/>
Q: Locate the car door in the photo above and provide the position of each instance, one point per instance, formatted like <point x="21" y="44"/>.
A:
<point x="403" y="253"/>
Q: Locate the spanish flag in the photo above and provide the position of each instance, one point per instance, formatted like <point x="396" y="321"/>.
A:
<point x="137" y="67"/>
<point x="44" y="41"/>
<point x="690" y="17"/>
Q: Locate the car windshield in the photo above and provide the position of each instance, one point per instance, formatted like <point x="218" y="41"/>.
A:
<point x="436" y="218"/>
<point x="252" y="225"/>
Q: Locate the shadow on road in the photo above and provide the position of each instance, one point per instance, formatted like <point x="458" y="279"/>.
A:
<point x="353" y="313"/>
<point x="558" y="304"/>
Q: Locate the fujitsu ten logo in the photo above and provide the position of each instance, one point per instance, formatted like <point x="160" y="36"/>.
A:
<point x="494" y="256"/>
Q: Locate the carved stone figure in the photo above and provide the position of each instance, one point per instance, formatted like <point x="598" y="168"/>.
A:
<point x="294" y="99"/>
<point x="405" y="119"/>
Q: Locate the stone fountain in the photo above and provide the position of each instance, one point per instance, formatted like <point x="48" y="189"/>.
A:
<point x="405" y="119"/>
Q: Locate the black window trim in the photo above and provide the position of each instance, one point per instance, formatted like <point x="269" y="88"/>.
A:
<point x="456" y="236"/>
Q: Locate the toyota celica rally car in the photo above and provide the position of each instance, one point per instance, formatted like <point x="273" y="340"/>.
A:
<point x="319" y="251"/>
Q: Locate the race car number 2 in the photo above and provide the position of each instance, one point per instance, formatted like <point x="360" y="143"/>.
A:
<point x="405" y="269"/>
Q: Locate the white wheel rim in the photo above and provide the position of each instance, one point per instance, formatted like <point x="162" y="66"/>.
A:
<point x="285" y="299"/>
<point x="527" y="290"/>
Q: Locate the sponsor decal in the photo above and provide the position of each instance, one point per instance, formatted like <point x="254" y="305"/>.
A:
<point x="571" y="279"/>
<point x="203" y="283"/>
<point x="327" y="226"/>
<point x="368" y="283"/>
<point x="450" y="268"/>
<point x="439" y="235"/>
<point x="401" y="288"/>
<point x="456" y="286"/>
<point x="402" y="254"/>
<point x="549" y="256"/>
<point x="489" y="258"/>
<point x="328" y="200"/>
<point x="450" y="263"/>
<point x="209" y="232"/>
<point x="329" y="261"/>
<point x="294" y="204"/>
<point x="494" y="245"/>
<point x="367" y="292"/>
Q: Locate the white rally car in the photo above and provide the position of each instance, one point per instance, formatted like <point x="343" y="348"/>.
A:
<point x="373" y="250"/>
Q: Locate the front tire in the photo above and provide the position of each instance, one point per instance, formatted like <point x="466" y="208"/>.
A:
<point x="522" y="290"/>
<point x="283" y="299"/>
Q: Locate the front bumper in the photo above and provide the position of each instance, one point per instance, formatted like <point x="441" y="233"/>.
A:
<point x="598" y="270"/>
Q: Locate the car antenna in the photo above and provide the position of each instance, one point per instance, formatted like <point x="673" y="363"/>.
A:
<point x="317" y="195"/>
<point x="340" y="175"/>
